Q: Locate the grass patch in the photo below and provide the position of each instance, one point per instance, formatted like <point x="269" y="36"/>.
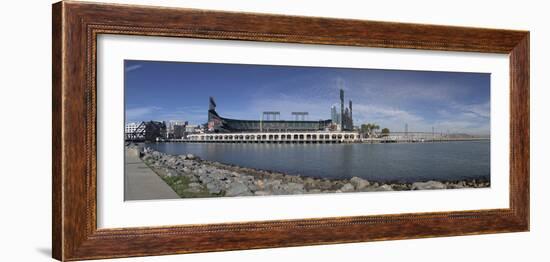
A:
<point x="180" y="184"/>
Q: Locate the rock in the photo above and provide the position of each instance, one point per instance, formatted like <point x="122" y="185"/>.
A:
<point x="190" y="157"/>
<point x="325" y="185"/>
<point x="359" y="183"/>
<point x="428" y="185"/>
<point x="260" y="184"/>
<point x="214" y="188"/>
<point x="212" y="172"/>
<point x="206" y="179"/>
<point x="201" y="171"/>
<point x="385" y="188"/>
<point x="310" y="183"/>
<point x="155" y="154"/>
<point x="337" y="184"/>
<point x="293" y="188"/>
<point x="192" y="178"/>
<point x="272" y="185"/>
<point x="261" y="193"/>
<point x="188" y="163"/>
<point x="195" y="185"/>
<point x="170" y="160"/>
<point x="295" y="179"/>
<point x="347" y="188"/>
<point x="456" y="185"/>
<point x="248" y="180"/>
<point x="237" y="189"/>
<point x="400" y="187"/>
<point x="377" y="188"/>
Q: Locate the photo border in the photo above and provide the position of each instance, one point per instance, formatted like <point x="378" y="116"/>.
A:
<point x="114" y="212"/>
<point x="75" y="27"/>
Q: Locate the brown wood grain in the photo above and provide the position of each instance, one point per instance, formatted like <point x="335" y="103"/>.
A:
<point x="57" y="192"/>
<point x="75" y="28"/>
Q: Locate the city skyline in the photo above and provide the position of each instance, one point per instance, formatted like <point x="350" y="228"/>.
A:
<point x="447" y="101"/>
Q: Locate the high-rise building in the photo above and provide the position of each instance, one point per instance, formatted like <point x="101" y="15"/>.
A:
<point x="342" y="108"/>
<point x="334" y="115"/>
<point x="346" y="115"/>
<point x="351" y="113"/>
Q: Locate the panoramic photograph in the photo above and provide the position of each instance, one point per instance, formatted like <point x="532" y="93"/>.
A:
<point x="199" y="130"/>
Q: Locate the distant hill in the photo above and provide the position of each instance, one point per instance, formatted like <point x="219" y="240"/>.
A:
<point x="466" y="136"/>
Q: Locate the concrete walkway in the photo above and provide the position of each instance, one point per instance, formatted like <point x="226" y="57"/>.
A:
<point x="141" y="183"/>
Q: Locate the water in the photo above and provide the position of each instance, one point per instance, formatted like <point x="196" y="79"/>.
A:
<point x="378" y="162"/>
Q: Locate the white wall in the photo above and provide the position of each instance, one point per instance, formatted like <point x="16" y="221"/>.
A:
<point x="25" y="63"/>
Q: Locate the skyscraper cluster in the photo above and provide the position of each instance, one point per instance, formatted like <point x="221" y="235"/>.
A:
<point x="344" y="118"/>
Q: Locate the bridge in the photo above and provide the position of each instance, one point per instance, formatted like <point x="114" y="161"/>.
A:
<point x="413" y="137"/>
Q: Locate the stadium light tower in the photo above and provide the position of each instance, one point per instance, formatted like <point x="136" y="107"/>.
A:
<point x="300" y="116"/>
<point x="271" y="115"/>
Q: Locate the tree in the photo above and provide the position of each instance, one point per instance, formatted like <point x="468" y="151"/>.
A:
<point x="368" y="129"/>
<point x="385" y="131"/>
<point x="365" y="128"/>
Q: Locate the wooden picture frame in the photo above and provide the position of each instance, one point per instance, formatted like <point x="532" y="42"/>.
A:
<point x="76" y="26"/>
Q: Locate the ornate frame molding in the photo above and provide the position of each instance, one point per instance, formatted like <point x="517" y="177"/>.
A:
<point x="76" y="26"/>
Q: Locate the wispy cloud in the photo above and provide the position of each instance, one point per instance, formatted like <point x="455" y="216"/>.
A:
<point x="340" y="83"/>
<point x="139" y="113"/>
<point x="482" y="110"/>
<point x="366" y="112"/>
<point x="133" y="68"/>
<point x="285" y="104"/>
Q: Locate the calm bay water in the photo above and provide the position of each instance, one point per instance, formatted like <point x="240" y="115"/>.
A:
<point x="379" y="162"/>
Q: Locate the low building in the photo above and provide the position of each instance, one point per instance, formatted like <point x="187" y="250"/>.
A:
<point x="191" y="128"/>
<point x="277" y="137"/>
<point x="130" y="127"/>
<point x="145" y="131"/>
<point x="134" y="131"/>
<point x="179" y="131"/>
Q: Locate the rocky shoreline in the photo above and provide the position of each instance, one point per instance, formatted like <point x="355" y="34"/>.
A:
<point x="191" y="176"/>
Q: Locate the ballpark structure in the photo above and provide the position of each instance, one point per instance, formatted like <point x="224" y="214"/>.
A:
<point x="270" y="129"/>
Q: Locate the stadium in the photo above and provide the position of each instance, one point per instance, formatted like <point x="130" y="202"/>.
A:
<point x="271" y="122"/>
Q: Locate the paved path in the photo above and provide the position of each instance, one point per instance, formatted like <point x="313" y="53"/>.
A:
<point x="141" y="183"/>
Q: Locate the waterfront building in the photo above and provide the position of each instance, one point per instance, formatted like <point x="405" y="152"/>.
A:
<point x="134" y="131"/>
<point x="315" y="137"/>
<point x="154" y="130"/>
<point x="170" y="127"/>
<point x="178" y="131"/>
<point x="130" y="127"/>
<point x="145" y="131"/>
<point x="191" y="128"/>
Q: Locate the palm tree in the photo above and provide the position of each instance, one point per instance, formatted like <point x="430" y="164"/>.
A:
<point x="368" y="129"/>
<point x="385" y="131"/>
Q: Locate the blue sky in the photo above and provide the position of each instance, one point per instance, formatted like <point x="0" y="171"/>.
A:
<point x="453" y="101"/>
